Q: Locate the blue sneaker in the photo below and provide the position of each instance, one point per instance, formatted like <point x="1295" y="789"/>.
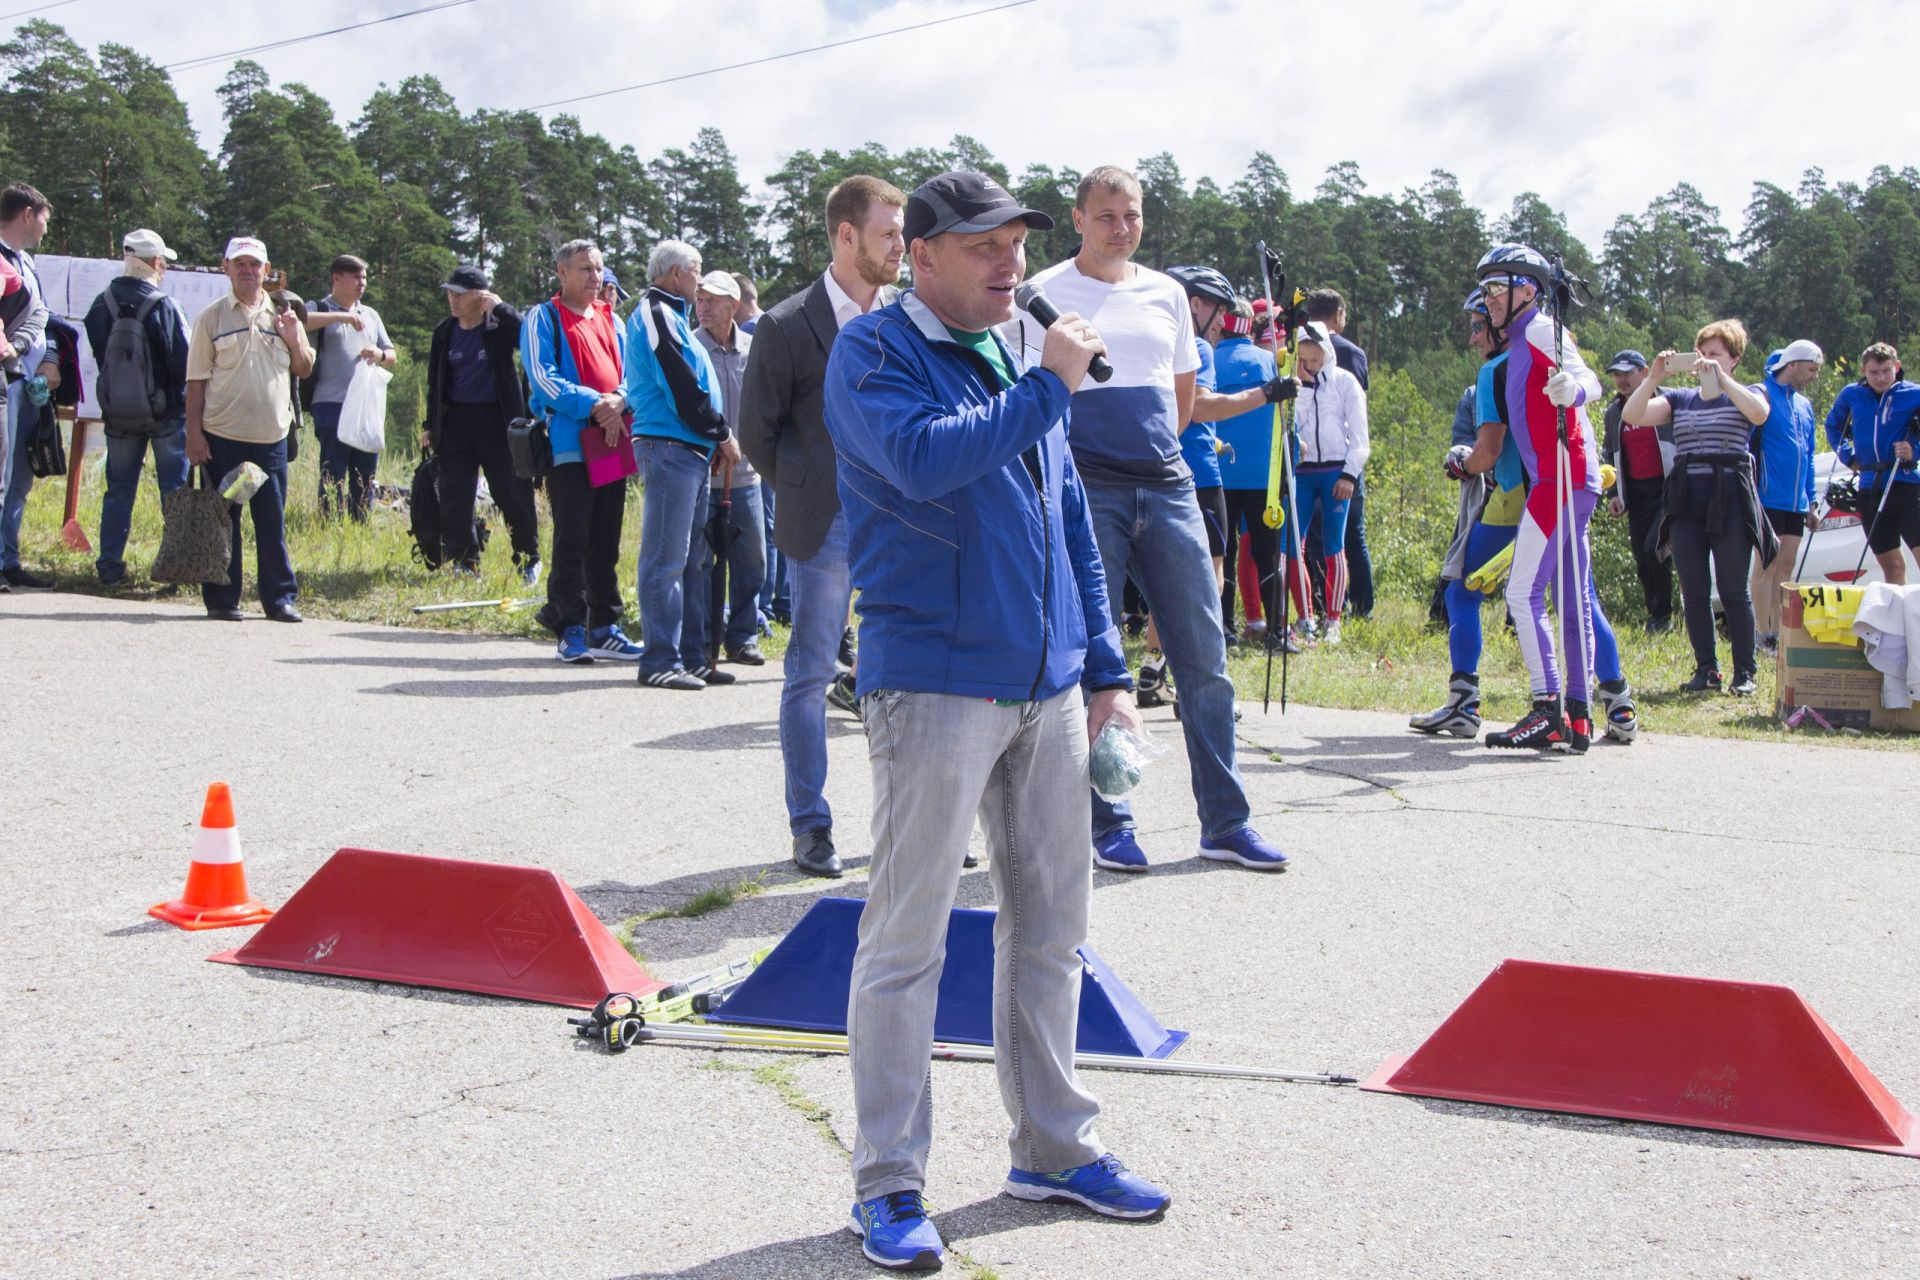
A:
<point x="611" y="642"/>
<point x="1246" y="847"/>
<point x="895" y="1232"/>
<point x="1104" y="1186"/>
<point x="573" y="645"/>
<point x="1119" y="851"/>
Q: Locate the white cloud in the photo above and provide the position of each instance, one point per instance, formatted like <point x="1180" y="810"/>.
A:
<point x="1588" y="104"/>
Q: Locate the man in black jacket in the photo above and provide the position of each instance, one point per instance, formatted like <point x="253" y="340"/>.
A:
<point x="146" y="257"/>
<point x="473" y="391"/>
<point x="783" y="433"/>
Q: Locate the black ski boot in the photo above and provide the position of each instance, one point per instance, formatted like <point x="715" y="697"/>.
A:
<point x="1623" y="720"/>
<point x="1579" y="727"/>
<point x="1459" y="715"/>
<point x="1540" y="730"/>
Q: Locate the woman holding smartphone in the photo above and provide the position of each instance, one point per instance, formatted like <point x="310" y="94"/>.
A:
<point x="1713" y="511"/>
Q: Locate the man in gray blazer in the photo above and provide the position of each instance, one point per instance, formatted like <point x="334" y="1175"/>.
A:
<point x="783" y="433"/>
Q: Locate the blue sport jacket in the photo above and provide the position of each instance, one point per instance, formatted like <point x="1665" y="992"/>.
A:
<point x="555" y="380"/>
<point x="1874" y="427"/>
<point x="1782" y="447"/>
<point x="968" y="535"/>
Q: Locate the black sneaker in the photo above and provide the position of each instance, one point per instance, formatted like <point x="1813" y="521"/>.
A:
<point x="711" y="675"/>
<point x="21" y="579"/>
<point x="1705" y="680"/>
<point x="747" y="655"/>
<point x="1742" y="686"/>
<point x="1540" y="730"/>
<point x="841" y="695"/>
<point x="673" y="678"/>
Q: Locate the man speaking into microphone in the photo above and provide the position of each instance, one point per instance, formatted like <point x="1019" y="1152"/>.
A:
<point x="988" y="663"/>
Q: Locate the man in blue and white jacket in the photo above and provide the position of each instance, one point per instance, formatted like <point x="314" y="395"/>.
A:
<point x="988" y="663"/>
<point x="1782" y="449"/>
<point x="678" y="427"/>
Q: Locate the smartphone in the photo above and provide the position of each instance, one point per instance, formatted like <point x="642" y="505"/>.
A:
<point x="1682" y="363"/>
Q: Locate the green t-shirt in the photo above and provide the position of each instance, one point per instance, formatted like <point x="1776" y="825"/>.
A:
<point x="983" y="343"/>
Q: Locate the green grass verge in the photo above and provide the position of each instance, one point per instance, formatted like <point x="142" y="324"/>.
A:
<point x="1394" y="662"/>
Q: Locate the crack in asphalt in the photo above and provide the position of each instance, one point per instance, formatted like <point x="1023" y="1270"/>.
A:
<point x="466" y="1092"/>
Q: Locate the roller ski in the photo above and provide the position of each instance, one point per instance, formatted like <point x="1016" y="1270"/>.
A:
<point x="1623" y="720"/>
<point x="1459" y="715"/>
<point x="1152" y="688"/>
<point x="1543" y="729"/>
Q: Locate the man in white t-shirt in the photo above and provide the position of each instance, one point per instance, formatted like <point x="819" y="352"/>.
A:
<point x="1125" y="436"/>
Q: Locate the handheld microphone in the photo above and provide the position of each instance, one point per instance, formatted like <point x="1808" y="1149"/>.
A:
<point x="1034" y="299"/>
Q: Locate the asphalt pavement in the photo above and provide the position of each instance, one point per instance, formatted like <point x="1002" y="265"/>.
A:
<point x="163" y="1116"/>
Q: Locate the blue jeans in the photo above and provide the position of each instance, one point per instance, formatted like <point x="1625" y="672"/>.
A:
<point x="126" y="455"/>
<point x="746" y="563"/>
<point x="22" y="417"/>
<point x="342" y="465"/>
<point x="273" y="571"/>
<point x="821" y="592"/>
<point x="673" y="606"/>
<point x="1157" y="537"/>
<point x="776" y="592"/>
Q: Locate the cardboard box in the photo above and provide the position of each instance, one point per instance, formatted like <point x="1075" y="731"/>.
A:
<point x="1836" y="680"/>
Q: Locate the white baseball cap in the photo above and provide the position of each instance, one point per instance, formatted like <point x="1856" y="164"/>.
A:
<point x="146" y="244"/>
<point x="721" y="284"/>
<point x="1802" y="349"/>
<point x="247" y="247"/>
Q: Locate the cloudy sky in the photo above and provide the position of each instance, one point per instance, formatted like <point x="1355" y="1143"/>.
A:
<point x="1599" y="106"/>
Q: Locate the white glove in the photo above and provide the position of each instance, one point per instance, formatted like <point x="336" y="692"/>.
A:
<point x="1563" y="390"/>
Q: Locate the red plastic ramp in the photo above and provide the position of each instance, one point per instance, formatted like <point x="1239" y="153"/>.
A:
<point x="1742" y="1057"/>
<point x="443" y="922"/>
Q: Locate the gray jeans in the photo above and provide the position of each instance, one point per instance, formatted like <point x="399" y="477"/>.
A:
<point x="937" y="761"/>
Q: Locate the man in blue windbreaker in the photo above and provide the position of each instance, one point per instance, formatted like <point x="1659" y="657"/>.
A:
<point x="1875" y="425"/>
<point x="1782" y="448"/>
<point x="988" y="663"/>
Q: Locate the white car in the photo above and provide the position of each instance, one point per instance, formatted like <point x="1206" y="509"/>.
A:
<point x="1831" y="552"/>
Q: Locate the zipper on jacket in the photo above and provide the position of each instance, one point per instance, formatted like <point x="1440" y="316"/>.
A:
<point x="1036" y="472"/>
<point x="1035" y="468"/>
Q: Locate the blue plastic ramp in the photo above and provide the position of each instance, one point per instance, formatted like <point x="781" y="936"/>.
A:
<point x="804" y="981"/>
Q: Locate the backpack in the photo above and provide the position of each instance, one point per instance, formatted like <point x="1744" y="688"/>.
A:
<point x="423" y="514"/>
<point x="131" y="399"/>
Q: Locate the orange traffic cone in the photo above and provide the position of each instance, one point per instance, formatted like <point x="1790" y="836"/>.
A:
<point x="216" y="895"/>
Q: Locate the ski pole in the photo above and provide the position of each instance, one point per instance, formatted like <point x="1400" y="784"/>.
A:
<point x="638" y="1031"/>
<point x="1893" y="474"/>
<point x="508" y="603"/>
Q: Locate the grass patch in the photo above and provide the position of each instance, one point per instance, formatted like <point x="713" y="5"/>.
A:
<point x="706" y="902"/>
<point x="1395" y="661"/>
<point x="349" y="572"/>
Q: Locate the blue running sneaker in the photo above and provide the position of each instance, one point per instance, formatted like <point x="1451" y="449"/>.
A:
<point x="1105" y="1186"/>
<point x="1246" y="847"/>
<point x="1119" y="851"/>
<point x="895" y="1232"/>
<point x="611" y="642"/>
<point x="573" y="645"/>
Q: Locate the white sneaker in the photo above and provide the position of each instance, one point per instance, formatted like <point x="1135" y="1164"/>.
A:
<point x="1331" y="634"/>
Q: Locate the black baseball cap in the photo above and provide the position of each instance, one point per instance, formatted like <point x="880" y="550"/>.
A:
<point x="465" y="279"/>
<point x="965" y="201"/>
<point x="1627" y="360"/>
